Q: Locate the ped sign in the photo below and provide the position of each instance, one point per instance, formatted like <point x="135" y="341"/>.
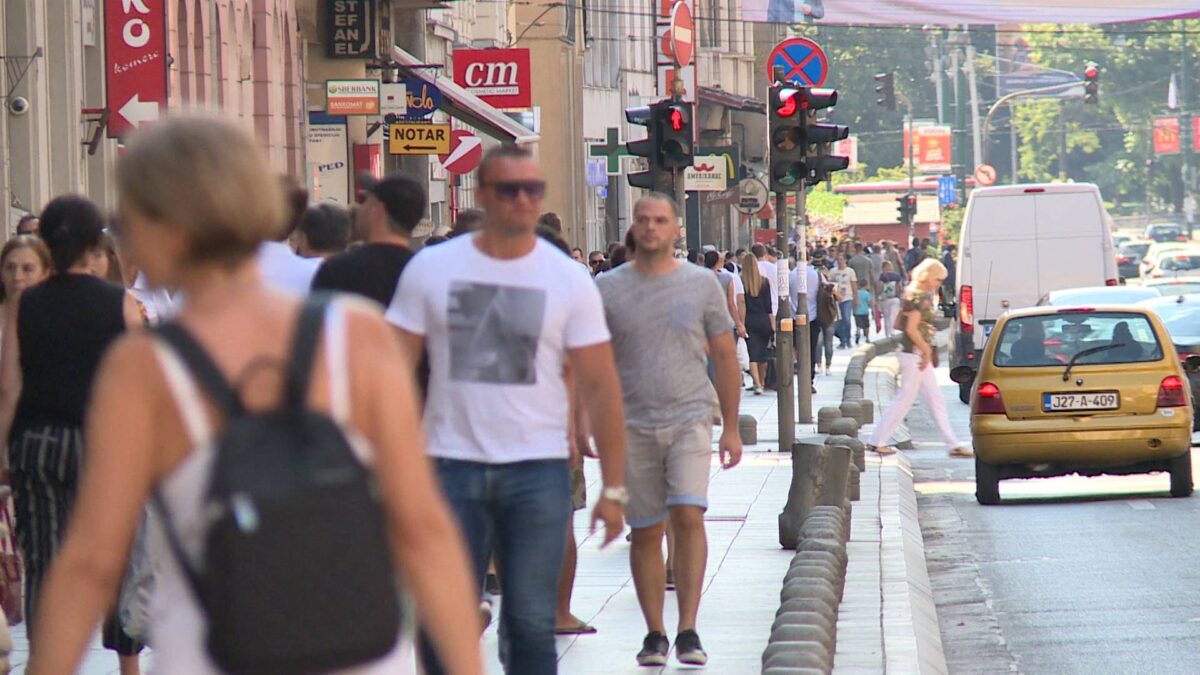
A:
<point x="419" y="139"/>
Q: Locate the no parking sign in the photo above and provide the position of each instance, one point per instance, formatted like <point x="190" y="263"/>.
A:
<point x="803" y="62"/>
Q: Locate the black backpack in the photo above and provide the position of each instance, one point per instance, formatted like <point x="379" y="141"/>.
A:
<point x="297" y="575"/>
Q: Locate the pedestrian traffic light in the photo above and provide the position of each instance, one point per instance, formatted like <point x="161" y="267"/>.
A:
<point x="786" y="107"/>
<point x="821" y="163"/>
<point x="656" y="177"/>
<point x="1091" y="83"/>
<point x="906" y="207"/>
<point x="886" y="90"/>
<point x="674" y="122"/>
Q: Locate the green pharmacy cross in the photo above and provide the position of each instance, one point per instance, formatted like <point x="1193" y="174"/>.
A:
<point x="612" y="150"/>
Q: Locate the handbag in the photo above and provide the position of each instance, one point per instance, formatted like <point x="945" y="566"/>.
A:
<point x="12" y="595"/>
<point x="134" y="601"/>
<point x="743" y="354"/>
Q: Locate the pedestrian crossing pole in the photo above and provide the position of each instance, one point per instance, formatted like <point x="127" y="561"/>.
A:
<point x="784" y="375"/>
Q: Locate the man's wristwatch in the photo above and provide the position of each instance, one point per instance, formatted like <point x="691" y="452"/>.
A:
<point x="618" y="494"/>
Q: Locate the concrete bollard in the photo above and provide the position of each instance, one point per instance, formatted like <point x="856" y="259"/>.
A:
<point x="825" y="417"/>
<point x="804" y="619"/>
<point x="855" y="485"/>
<point x="834" y="546"/>
<point x="852" y="392"/>
<point x="845" y="426"/>
<point x="854" y="376"/>
<point x="800" y="494"/>
<point x="852" y="410"/>
<point x="812" y="654"/>
<point x="748" y="429"/>
<point x="808" y="588"/>
<point x="812" y="570"/>
<point x="797" y="633"/>
<point x="792" y="670"/>
<point x="868" y="411"/>
<point x="817" y="605"/>
<point x="793" y="659"/>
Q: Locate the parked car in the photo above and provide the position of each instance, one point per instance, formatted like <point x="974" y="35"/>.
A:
<point x="1181" y="316"/>
<point x="1173" y="287"/>
<point x="1079" y="390"/>
<point x="1098" y="295"/>
<point x="1018" y="243"/>
<point x="1166" y="232"/>
<point x="1129" y="255"/>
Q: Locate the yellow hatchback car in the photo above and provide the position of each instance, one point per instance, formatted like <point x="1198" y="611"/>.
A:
<point x="1092" y="391"/>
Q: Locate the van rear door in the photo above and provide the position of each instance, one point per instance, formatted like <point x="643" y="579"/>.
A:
<point x="1003" y="251"/>
<point x="1072" y="240"/>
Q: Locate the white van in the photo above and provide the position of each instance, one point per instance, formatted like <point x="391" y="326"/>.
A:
<point x="1018" y="243"/>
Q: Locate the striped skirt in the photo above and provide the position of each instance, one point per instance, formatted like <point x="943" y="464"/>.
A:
<point x="45" y="464"/>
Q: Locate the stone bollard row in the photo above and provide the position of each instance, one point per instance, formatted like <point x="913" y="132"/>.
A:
<point x="748" y="429"/>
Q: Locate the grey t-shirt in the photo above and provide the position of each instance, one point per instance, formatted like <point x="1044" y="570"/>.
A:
<point x="660" y="328"/>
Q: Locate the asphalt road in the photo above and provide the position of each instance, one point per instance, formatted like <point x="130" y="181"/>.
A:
<point x="1068" y="575"/>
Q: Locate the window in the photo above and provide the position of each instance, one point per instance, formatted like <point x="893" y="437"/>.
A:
<point x="1088" y="337"/>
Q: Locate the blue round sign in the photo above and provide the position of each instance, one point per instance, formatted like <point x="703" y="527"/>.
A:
<point x="802" y="61"/>
<point x="423" y="98"/>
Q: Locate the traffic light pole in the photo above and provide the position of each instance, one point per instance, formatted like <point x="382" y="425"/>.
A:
<point x="784" y="375"/>
<point x="803" y="380"/>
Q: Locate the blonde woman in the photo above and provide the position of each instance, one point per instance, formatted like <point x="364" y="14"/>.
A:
<point x="917" y="362"/>
<point x="24" y="262"/>
<point x="198" y="198"/>
<point x="760" y="321"/>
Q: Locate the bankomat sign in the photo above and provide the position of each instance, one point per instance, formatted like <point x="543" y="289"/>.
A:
<point x="500" y="77"/>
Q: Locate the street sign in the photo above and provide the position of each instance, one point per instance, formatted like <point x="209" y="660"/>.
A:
<point x="466" y="149"/>
<point x="1166" y="135"/>
<point x="753" y="196"/>
<point x="135" y="42"/>
<point x="802" y="60"/>
<point x="419" y="138"/>
<point x="423" y="98"/>
<point x="947" y="190"/>
<point x="985" y="175"/>
<point x="683" y="33"/>
<point x="352" y="97"/>
<point x="708" y="173"/>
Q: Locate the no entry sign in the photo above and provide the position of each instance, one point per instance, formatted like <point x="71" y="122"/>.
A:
<point x="683" y="33"/>
<point x="803" y="62"/>
<point x="135" y="41"/>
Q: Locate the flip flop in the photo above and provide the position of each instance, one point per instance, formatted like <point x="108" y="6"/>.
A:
<point x="883" y="450"/>
<point x="961" y="452"/>
<point x="580" y="628"/>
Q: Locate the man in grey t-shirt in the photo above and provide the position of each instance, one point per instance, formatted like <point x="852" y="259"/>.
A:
<point x="663" y="316"/>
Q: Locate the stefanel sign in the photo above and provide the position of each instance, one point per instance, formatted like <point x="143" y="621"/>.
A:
<point x="135" y="71"/>
<point x="501" y="77"/>
<point x="351" y="25"/>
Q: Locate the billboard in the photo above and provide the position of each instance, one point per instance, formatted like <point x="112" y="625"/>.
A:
<point x="949" y="12"/>
<point x="501" y="77"/>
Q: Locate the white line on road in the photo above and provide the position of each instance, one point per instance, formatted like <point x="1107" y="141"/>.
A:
<point x="1140" y="505"/>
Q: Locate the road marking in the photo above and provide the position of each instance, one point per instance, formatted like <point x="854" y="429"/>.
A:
<point x="1140" y="505"/>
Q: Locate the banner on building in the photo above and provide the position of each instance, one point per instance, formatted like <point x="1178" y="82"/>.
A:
<point x="847" y="147"/>
<point x="1166" y="135"/>
<point x="501" y="77"/>
<point x="708" y="173"/>
<point x="350" y="29"/>
<point x="1196" y="133"/>
<point x="352" y="97"/>
<point x="135" y="44"/>
<point x="932" y="153"/>
<point x="948" y="12"/>
<point x="328" y="158"/>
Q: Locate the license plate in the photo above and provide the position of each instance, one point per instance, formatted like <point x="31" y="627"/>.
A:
<point x="1081" y="401"/>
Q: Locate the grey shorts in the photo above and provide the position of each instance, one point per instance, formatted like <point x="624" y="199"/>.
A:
<point x="666" y="467"/>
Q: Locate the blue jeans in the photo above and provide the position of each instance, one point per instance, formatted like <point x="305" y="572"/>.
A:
<point x="843" y="323"/>
<point x="520" y="511"/>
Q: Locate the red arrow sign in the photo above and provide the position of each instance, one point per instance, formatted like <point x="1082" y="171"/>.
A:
<point x="466" y="149"/>
<point x="135" y="41"/>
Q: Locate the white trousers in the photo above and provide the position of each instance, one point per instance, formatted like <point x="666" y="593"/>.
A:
<point x="890" y="309"/>
<point x="913" y="380"/>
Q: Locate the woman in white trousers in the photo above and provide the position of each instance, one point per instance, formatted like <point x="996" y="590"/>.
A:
<point x="917" y="373"/>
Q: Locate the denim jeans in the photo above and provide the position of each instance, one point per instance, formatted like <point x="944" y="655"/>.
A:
<point x="843" y="323"/>
<point x="520" y="511"/>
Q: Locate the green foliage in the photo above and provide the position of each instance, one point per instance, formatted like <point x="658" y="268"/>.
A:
<point x="825" y="204"/>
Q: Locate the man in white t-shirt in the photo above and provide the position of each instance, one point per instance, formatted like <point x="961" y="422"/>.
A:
<point x="502" y="313"/>
<point x="278" y="265"/>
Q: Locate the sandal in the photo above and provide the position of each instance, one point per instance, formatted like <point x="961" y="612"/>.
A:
<point x="580" y="628"/>
<point x="882" y="450"/>
<point x="961" y="452"/>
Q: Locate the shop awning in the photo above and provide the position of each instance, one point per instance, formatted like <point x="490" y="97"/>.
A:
<point x="464" y="105"/>
<point x="732" y="101"/>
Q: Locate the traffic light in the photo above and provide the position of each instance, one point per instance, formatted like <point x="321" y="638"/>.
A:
<point x="674" y="121"/>
<point x="1091" y="83"/>
<point x="820" y="163"/>
<point x="656" y="178"/>
<point x="906" y="207"/>
<point x="786" y="108"/>
<point x="886" y="90"/>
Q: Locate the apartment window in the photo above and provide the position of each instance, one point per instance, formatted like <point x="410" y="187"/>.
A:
<point x="710" y="36"/>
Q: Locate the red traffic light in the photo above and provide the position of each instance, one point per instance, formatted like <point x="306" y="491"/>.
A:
<point x="675" y="119"/>
<point x="911" y="200"/>
<point x="787" y="107"/>
<point x="1091" y="71"/>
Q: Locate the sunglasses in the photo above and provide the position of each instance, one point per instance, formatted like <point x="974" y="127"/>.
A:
<point x="508" y="190"/>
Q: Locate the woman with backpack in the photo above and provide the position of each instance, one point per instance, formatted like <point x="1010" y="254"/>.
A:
<point x="760" y="321"/>
<point x="249" y="377"/>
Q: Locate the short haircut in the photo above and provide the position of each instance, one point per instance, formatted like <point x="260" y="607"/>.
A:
<point x="326" y="227"/>
<point x="467" y="220"/>
<point x="25" y="219"/>
<point x="208" y="177"/>
<point x="550" y="220"/>
<point x="500" y="152"/>
<point x="555" y="238"/>
<point x="759" y="251"/>
<point x="658" y="197"/>
<point x="403" y="197"/>
<point x="711" y="259"/>
<point x="72" y="226"/>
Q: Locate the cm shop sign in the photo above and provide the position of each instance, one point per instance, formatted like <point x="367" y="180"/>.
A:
<point x="419" y="139"/>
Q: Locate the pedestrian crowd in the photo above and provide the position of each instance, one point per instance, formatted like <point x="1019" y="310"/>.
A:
<point x="261" y="435"/>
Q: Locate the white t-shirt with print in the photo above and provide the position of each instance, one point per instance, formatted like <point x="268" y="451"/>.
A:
<point x="497" y="332"/>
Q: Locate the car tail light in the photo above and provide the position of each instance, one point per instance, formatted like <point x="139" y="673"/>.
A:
<point x="988" y="400"/>
<point x="1122" y="259"/>
<point x="1110" y="282"/>
<point x="1170" y="393"/>
<point x="1181" y="238"/>
<point x="966" y="310"/>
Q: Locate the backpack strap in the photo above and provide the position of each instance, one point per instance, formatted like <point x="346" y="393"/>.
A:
<point x="304" y="347"/>
<point x="202" y="368"/>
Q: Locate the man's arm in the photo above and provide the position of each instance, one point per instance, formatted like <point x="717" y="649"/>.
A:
<point x="600" y="391"/>
<point x="414" y="346"/>
<point x="729" y="385"/>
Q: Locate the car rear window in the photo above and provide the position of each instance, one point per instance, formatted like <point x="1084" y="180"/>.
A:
<point x="1139" y="249"/>
<point x="1054" y="339"/>
<point x="1173" y="288"/>
<point x="1180" y="318"/>
<point x="1180" y="263"/>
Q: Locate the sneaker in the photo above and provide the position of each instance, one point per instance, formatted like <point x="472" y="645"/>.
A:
<point x="688" y="649"/>
<point x="654" y="650"/>
<point x="670" y="580"/>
